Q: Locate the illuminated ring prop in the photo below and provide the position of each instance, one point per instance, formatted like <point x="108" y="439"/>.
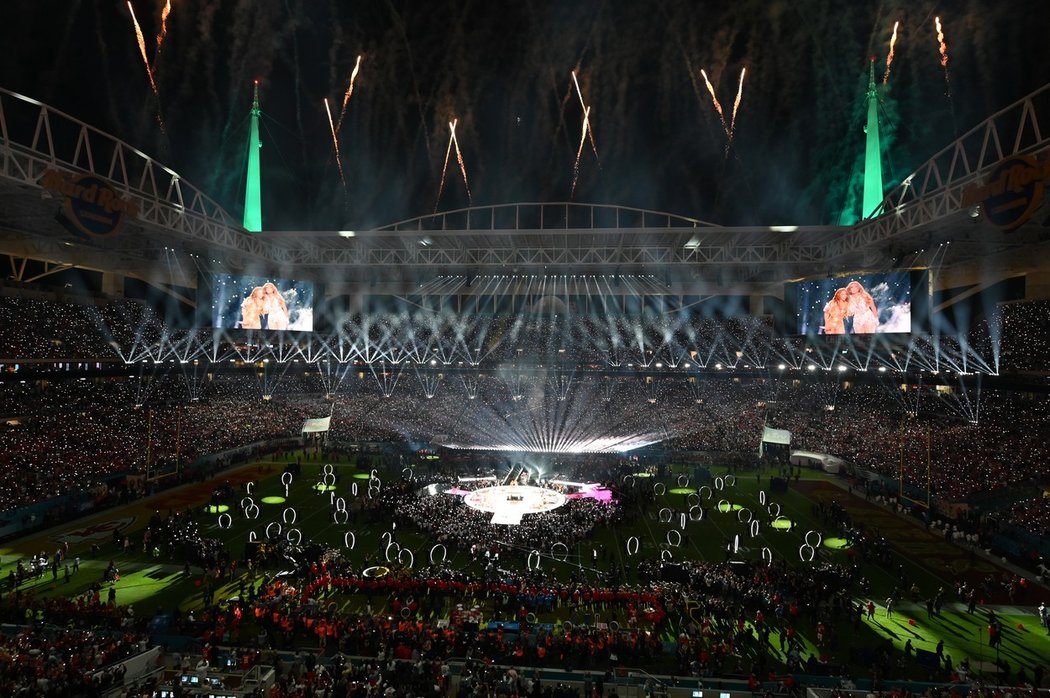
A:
<point x="378" y="484"/>
<point x="406" y="612"/>
<point x="349" y="540"/>
<point x="411" y="558"/>
<point x="344" y="512"/>
<point x="386" y="552"/>
<point x="614" y="626"/>
<point x="388" y="536"/>
<point x="665" y="554"/>
<point x="754" y="528"/>
<point x="373" y="475"/>
<point x="682" y="519"/>
<point x="252" y="537"/>
<point x="567" y="626"/>
<point x="693" y="499"/>
<point x="444" y="553"/>
<point x="802" y="555"/>
<point x="328" y="469"/>
<point x="284" y="515"/>
<point x="670" y="515"/>
<point x="372" y="492"/>
<point x="720" y="483"/>
<point x="695" y="513"/>
<point x="298" y="536"/>
<point x="271" y="525"/>
<point x="248" y="511"/>
<point x="683" y="481"/>
<point x="636" y="545"/>
<point x="730" y="480"/>
<point x="406" y="473"/>
<point x="249" y="487"/>
<point x="227" y="518"/>
<point x="353" y="488"/>
<point x="533" y="555"/>
<point x="340" y="504"/>
<point x="628" y="480"/>
<point x="724" y="507"/>
<point x="659" y="489"/>
<point x="767" y="554"/>
<point x="565" y="553"/>
<point x="736" y="543"/>
<point x="740" y="515"/>
<point x="286" y="495"/>
<point x="819" y="539"/>
<point x="782" y="530"/>
<point x="249" y="500"/>
<point x="530" y="617"/>
<point x="762" y="497"/>
<point x="709" y="492"/>
<point x="771" y="507"/>
<point x="286" y="479"/>
<point x="674" y="541"/>
<point x="328" y="479"/>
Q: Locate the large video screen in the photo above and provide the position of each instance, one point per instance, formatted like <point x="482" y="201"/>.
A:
<point x="261" y="303"/>
<point x="861" y="304"/>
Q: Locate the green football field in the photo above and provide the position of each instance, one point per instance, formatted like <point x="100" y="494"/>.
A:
<point x="738" y="513"/>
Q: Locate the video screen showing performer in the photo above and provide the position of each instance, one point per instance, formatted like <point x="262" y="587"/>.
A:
<point x="262" y="303"/>
<point x="863" y="304"/>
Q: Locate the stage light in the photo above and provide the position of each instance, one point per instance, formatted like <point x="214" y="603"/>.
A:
<point x="781" y="366"/>
<point x="842" y="367"/>
<point x="811" y="367"/>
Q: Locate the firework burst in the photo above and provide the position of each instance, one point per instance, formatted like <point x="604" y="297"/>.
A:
<point x="349" y="92"/>
<point x="335" y="143"/>
<point x="889" y="57"/>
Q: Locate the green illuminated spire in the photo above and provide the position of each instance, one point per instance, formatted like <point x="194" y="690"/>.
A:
<point x="872" y="153"/>
<point x="252" y="184"/>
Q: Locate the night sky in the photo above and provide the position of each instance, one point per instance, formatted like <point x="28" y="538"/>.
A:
<point x="504" y="70"/>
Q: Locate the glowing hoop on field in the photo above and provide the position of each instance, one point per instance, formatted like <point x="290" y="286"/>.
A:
<point x="777" y="528"/>
<point x="683" y="481"/>
<point x="444" y="554"/>
<point x="248" y="511"/>
<point x="249" y="500"/>
<point x="819" y="539"/>
<point x="696" y="513"/>
<point x="270" y="525"/>
<point x="406" y="473"/>
<point x="533" y="555"/>
<point x="252" y="537"/>
<point x="767" y="554"/>
<point x="286" y="478"/>
<point x="340" y="504"/>
<point x="693" y="499"/>
<point x="730" y="480"/>
<point x="328" y="479"/>
<point x="754" y="528"/>
<point x="724" y="507"/>
<point x="659" y="489"/>
<point x="676" y="540"/>
<point x="774" y="506"/>
<point x="670" y="515"/>
<point x="700" y="491"/>
<point x="373" y="475"/>
<point x="284" y="515"/>
<point x="762" y="497"/>
<point x="802" y="554"/>
<point x="720" y="483"/>
<point x="298" y="536"/>
<point x="682" y="519"/>
<point x="740" y="515"/>
<point x="637" y="544"/>
<point x="565" y="551"/>
<point x="386" y="552"/>
<point x="328" y="469"/>
<point x="227" y="518"/>
<point x="249" y="487"/>
<point x="387" y="536"/>
<point x="628" y="480"/>
<point x="344" y="512"/>
<point x="353" y="488"/>
<point x="349" y="540"/>
<point x="665" y="554"/>
<point x="411" y="558"/>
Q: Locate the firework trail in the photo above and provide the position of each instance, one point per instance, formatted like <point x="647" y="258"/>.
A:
<point x="889" y="58"/>
<point x="736" y="106"/>
<point x="718" y="106"/>
<point x="349" y="91"/>
<point x="579" y="151"/>
<point x="444" y="171"/>
<point x="142" y="49"/>
<point x="943" y="47"/>
<point x="163" y="27"/>
<point x="586" y="120"/>
<point x="335" y="143"/>
<point x="459" y="157"/>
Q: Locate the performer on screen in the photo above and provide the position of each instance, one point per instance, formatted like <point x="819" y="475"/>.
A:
<point x="835" y="313"/>
<point x="274" y="307"/>
<point x="862" y="309"/>
<point x="252" y="310"/>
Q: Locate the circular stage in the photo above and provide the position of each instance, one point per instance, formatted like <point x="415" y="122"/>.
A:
<point x="508" y="503"/>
